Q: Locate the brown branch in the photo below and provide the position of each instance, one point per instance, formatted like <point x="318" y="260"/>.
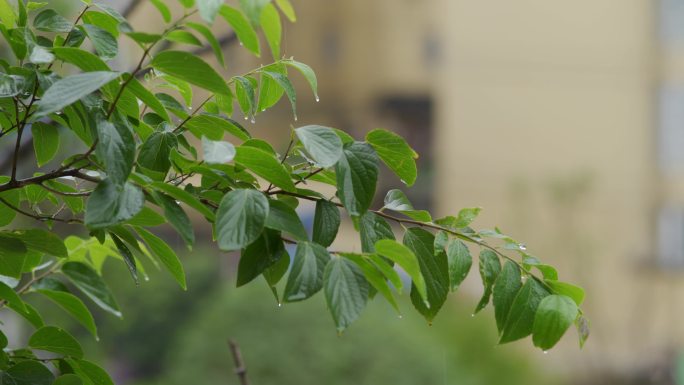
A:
<point x="11" y="185"/>
<point x="38" y="217"/>
<point x="240" y="368"/>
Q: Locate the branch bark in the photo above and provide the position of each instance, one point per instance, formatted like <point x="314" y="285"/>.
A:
<point x="240" y="368"/>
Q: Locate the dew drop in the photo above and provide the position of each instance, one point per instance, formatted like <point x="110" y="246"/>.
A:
<point x="400" y="316"/>
<point x="472" y="315"/>
<point x="295" y="118"/>
<point x="522" y="247"/>
<point x="318" y="99"/>
<point x="546" y="352"/>
<point x="253" y="120"/>
<point x="246" y="118"/>
<point x="280" y="304"/>
<point x="241" y="43"/>
<point x="263" y="109"/>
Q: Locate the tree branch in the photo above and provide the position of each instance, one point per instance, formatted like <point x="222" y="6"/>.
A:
<point x="240" y="368"/>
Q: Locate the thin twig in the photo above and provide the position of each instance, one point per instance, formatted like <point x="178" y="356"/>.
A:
<point x="240" y="368"/>
<point x="41" y="218"/>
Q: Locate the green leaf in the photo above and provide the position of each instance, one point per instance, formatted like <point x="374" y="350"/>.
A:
<point x="70" y="89"/>
<point x="211" y="39"/>
<point x="287" y="9"/>
<point x="183" y="37"/>
<point x="373" y="228"/>
<point x="270" y="90"/>
<point x="213" y="127"/>
<point x="240" y="218"/>
<point x="88" y="370"/>
<point x="554" y="316"/>
<point x="127" y="256"/>
<point x="407" y="260"/>
<point x="185" y="197"/>
<point x="264" y="165"/>
<point x="322" y="143"/>
<point x="27" y="373"/>
<point x="12" y="256"/>
<point x="9" y="295"/>
<point x="163" y="9"/>
<point x="566" y="289"/>
<point x="39" y="240"/>
<point x="155" y="154"/>
<point x="396" y="200"/>
<point x="521" y="316"/>
<point x="105" y="44"/>
<point x="110" y="204"/>
<point x="460" y="262"/>
<point x="74" y="306"/>
<point x="258" y="256"/>
<point x="45" y="141"/>
<point x="56" y="340"/>
<point x="374" y="276"/>
<point x="50" y="21"/>
<point x="357" y="176"/>
<point x="284" y="218"/>
<point x="326" y="223"/>
<point x="395" y="153"/>
<point x="306" y="275"/>
<point x="68" y="379"/>
<point x="308" y="73"/>
<point x="244" y="31"/>
<point x="246" y="95"/>
<point x="346" y="291"/>
<point x="507" y="285"/>
<point x="147" y="218"/>
<point x="90" y="283"/>
<point x="208" y="9"/>
<point x="165" y="254"/>
<point x="147" y="98"/>
<point x="490" y="267"/>
<point x="177" y="218"/>
<point x="217" y="152"/>
<point x="434" y="267"/>
<point x="29" y="313"/>
<point x="270" y="24"/>
<point x="190" y="68"/>
<point x="7" y="15"/>
<point x="285" y="84"/>
<point x="116" y="148"/>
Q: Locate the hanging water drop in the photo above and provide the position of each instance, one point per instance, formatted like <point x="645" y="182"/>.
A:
<point x="263" y="109"/>
<point x="400" y="316"/>
<point x="546" y="352"/>
<point x="280" y="304"/>
<point x="253" y="120"/>
<point x="472" y="315"/>
<point x="318" y="99"/>
<point x="246" y="117"/>
<point x="522" y="247"/>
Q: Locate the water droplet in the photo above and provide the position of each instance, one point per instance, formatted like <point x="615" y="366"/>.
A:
<point x="401" y="316"/>
<point x="318" y="99"/>
<point x="522" y="247"/>
<point x="472" y="315"/>
<point x="295" y="118"/>
<point x="147" y="278"/>
<point x="546" y="352"/>
<point x="263" y="109"/>
<point x="241" y="43"/>
<point x="253" y="120"/>
<point x="280" y="304"/>
<point x="246" y="118"/>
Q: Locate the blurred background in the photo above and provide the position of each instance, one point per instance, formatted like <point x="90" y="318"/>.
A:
<point x="564" y="121"/>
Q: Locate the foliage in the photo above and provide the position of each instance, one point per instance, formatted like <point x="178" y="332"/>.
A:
<point x="140" y="169"/>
